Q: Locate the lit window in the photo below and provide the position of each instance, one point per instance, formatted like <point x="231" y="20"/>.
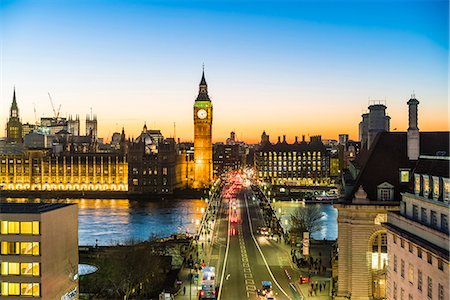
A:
<point x="411" y="273"/>
<point x="4" y="227"/>
<point x="402" y="268"/>
<point x="13" y="289"/>
<point x="10" y="248"/>
<point x="404" y="176"/>
<point x="441" y="292"/>
<point x="29" y="269"/>
<point x="26" y="227"/>
<point x="13" y="227"/>
<point x="36" y="227"/>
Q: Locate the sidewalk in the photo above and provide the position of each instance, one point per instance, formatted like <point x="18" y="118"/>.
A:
<point x="200" y="252"/>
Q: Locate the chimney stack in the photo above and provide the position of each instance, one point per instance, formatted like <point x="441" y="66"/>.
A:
<point x="296" y="139"/>
<point x="284" y="138"/>
<point x="413" y="131"/>
<point x="279" y="139"/>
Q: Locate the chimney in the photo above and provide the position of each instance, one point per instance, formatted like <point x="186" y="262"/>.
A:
<point x="279" y="139"/>
<point x="296" y="139"/>
<point x="303" y="138"/>
<point x="284" y="138"/>
<point x="413" y="131"/>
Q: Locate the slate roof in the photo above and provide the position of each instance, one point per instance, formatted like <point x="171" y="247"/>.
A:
<point x="433" y="167"/>
<point x="388" y="155"/>
<point x="299" y="147"/>
<point x="30" y="208"/>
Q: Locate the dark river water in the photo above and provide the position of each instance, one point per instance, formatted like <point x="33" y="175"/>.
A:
<point x="112" y="221"/>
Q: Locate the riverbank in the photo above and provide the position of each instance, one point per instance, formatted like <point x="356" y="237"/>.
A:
<point x="180" y="193"/>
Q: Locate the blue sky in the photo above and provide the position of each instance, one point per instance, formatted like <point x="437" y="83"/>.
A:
<point x="287" y="67"/>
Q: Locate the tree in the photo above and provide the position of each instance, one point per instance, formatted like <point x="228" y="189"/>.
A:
<point x="308" y="218"/>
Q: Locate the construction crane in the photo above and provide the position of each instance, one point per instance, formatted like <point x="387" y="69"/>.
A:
<point x="56" y="113"/>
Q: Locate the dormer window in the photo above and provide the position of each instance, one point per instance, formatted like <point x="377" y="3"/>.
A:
<point x="426" y="186"/>
<point x="417" y="184"/>
<point x="404" y="175"/>
<point x="385" y="191"/>
<point x="446" y="182"/>
<point x="436" y="192"/>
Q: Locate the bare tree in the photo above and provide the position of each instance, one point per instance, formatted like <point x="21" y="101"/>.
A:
<point x="308" y="218"/>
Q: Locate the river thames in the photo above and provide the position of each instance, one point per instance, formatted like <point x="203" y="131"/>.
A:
<point x="113" y="221"/>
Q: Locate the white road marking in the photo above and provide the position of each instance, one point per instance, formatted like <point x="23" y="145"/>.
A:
<point x="259" y="248"/>
<point x="226" y="256"/>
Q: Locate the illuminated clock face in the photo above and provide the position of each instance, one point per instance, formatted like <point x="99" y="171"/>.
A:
<point x="202" y="113"/>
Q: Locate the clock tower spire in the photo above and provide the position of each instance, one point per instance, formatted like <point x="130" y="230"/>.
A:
<point x="203" y="163"/>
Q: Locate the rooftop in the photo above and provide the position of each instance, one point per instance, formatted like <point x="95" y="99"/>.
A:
<point x="29" y="208"/>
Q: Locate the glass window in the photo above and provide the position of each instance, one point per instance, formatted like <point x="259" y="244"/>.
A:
<point x="13" y="289"/>
<point x="4" y="227"/>
<point x="13" y="228"/>
<point x="13" y="268"/>
<point x="395" y="263"/>
<point x="415" y="213"/>
<point x="404" y="176"/>
<point x="395" y="290"/>
<point x="410" y="246"/>
<point x="411" y="273"/>
<point x="26" y="289"/>
<point x="10" y="248"/>
<point x="29" y="269"/>
<point x="4" y="268"/>
<point x="4" y="289"/>
<point x="429" y="258"/>
<point x="36" y="290"/>
<point x="419" y="280"/>
<point x="430" y="287"/>
<point x="444" y="223"/>
<point x="433" y="219"/>
<point x="423" y="215"/>
<point x="440" y="264"/>
<point x="419" y="252"/>
<point x="402" y="268"/>
<point x="441" y="292"/>
<point x="26" y="227"/>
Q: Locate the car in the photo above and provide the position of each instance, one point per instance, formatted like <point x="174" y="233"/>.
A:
<point x="263" y="231"/>
<point x="266" y="289"/>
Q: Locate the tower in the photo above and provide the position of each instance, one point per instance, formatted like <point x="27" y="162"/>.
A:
<point x="14" y="126"/>
<point x="203" y="163"/>
<point x="91" y="125"/>
<point x="413" y="130"/>
<point x="73" y="125"/>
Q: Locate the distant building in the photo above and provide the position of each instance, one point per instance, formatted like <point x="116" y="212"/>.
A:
<point x="91" y="125"/>
<point x="39" y="251"/>
<point x="40" y="170"/>
<point x="14" y="125"/>
<point x="379" y="176"/>
<point x="418" y="235"/>
<point x="227" y="158"/>
<point x="372" y="123"/>
<point x="299" y="164"/>
<point x="73" y="125"/>
<point x="152" y="168"/>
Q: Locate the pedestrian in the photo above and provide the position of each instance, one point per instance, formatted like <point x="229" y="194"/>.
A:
<point x="310" y="290"/>
<point x="184" y="290"/>
<point x="300" y="279"/>
<point x="320" y="287"/>
<point x="315" y="288"/>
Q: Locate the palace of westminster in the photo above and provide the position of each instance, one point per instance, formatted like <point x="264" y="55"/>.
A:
<point x="55" y="156"/>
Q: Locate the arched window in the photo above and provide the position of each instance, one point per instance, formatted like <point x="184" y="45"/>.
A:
<point x="378" y="249"/>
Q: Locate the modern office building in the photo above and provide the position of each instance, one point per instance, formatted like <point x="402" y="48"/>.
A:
<point x="39" y="251"/>
<point x="418" y="235"/>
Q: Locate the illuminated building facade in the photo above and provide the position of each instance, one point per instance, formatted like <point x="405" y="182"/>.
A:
<point x="418" y="235"/>
<point x="39" y="251"/>
<point x="383" y="173"/>
<point x="203" y="154"/>
<point x="227" y="158"/>
<point x="298" y="164"/>
<point x="14" y="126"/>
<point x="39" y="170"/>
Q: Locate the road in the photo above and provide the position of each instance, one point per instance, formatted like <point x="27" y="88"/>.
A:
<point x="248" y="257"/>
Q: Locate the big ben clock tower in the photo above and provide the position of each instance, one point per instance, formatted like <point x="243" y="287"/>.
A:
<point x="203" y="169"/>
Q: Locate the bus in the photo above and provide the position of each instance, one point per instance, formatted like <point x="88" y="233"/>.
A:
<point x="208" y="290"/>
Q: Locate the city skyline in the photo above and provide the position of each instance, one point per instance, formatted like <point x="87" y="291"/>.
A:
<point x="284" y="68"/>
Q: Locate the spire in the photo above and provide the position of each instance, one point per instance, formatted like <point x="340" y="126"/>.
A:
<point x="14" y="102"/>
<point x="203" y="81"/>
<point x="203" y="88"/>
